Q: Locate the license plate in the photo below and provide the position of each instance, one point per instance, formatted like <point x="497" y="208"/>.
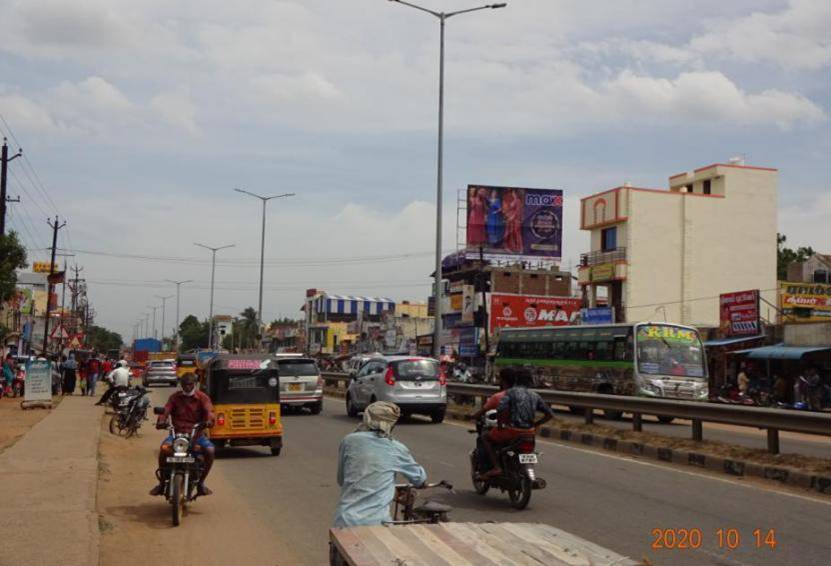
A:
<point x="295" y="387"/>
<point x="180" y="460"/>
<point x="527" y="458"/>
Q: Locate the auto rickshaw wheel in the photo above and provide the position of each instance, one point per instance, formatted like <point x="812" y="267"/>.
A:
<point x="276" y="446"/>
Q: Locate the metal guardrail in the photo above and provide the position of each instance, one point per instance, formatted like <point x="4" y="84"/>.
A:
<point x="773" y="420"/>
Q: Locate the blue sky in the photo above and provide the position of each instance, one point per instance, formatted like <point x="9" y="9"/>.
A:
<point x="140" y="118"/>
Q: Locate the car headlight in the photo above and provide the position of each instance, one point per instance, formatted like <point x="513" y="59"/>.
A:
<point x="180" y="445"/>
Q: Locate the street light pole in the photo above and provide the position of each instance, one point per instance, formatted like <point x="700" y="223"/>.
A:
<point x="154" y="318"/>
<point x="442" y="17"/>
<point x="213" y="272"/>
<point x="178" y="288"/>
<point x="164" y="308"/>
<point x="262" y="252"/>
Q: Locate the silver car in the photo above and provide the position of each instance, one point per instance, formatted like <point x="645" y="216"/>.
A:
<point x="415" y="384"/>
<point x="301" y="384"/>
<point x="160" y="371"/>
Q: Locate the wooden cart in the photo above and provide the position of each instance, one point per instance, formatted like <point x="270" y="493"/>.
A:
<point x="462" y="544"/>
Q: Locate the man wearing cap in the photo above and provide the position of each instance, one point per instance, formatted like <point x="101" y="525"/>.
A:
<point x="187" y="408"/>
<point x="368" y="460"/>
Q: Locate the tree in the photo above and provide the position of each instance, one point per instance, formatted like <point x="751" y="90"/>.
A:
<point x="786" y="256"/>
<point x="12" y="256"/>
<point x="102" y="340"/>
<point x="248" y="328"/>
<point x="193" y="333"/>
<point x="281" y="321"/>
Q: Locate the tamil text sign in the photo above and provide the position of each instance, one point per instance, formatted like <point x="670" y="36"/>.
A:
<point x="532" y="310"/>
<point x="526" y="224"/>
<point x="805" y="302"/>
<point x="43" y="267"/>
<point x="597" y="315"/>
<point x="739" y="313"/>
<point x="38" y="381"/>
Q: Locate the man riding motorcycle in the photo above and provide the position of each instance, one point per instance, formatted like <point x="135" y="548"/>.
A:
<point x="119" y="380"/>
<point x="521" y="406"/>
<point x="187" y="408"/>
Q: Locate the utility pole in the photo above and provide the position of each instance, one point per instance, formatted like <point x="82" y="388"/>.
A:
<point x="164" y="301"/>
<point x="213" y="273"/>
<point x="55" y="227"/>
<point x="178" y="287"/>
<point x="75" y="292"/>
<point x="4" y="166"/>
<point x="154" y="318"/>
<point x="482" y="276"/>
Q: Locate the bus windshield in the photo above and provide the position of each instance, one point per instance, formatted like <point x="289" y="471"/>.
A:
<point x="664" y="349"/>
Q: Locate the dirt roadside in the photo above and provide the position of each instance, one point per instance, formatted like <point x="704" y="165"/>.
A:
<point x="15" y="422"/>
<point x="136" y="528"/>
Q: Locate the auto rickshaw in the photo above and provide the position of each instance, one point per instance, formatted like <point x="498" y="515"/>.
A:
<point x="245" y="390"/>
<point x="185" y="363"/>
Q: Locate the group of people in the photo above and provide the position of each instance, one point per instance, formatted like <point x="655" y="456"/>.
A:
<point x="808" y="387"/>
<point x="83" y="374"/>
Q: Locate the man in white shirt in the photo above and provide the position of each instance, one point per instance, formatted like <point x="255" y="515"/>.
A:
<point x="119" y="378"/>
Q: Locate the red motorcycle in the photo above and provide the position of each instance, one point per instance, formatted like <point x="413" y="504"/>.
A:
<point x="18" y="384"/>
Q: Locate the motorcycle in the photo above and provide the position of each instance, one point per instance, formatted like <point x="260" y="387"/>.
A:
<point x="183" y="471"/>
<point x="130" y="410"/>
<point x="18" y="385"/>
<point x="730" y="394"/>
<point x="517" y="460"/>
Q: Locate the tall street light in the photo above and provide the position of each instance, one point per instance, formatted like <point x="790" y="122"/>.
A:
<point x="164" y="301"/>
<point x="178" y="287"/>
<point x="442" y="16"/>
<point x="154" y="317"/>
<point x="262" y="252"/>
<point x="213" y="272"/>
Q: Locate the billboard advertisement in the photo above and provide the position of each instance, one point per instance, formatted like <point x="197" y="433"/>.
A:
<point x="532" y="310"/>
<point x="739" y="313"/>
<point x="597" y="315"/>
<point x="526" y="224"/>
<point x="805" y="302"/>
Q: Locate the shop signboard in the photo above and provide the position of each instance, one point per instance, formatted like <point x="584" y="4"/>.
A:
<point x="508" y="310"/>
<point x="739" y="313"/>
<point x="44" y="267"/>
<point x="597" y="315"/>
<point x="522" y="223"/>
<point x="603" y="272"/>
<point x="469" y="342"/>
<point x="805" y="302"/>
<point x="38" y="381"/>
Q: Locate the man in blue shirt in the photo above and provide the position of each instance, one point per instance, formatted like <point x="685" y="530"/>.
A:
<point x="368" y="460"/>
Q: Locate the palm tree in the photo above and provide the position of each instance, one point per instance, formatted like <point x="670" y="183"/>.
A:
<point x="248" y="326"/>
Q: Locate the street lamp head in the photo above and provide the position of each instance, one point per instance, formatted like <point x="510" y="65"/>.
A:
<point x="500" y="5"/>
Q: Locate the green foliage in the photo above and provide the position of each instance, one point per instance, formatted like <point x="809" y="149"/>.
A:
<point x="12" y="256"/>
<point x="785" y="256"/>
<point x="193" y="333"/>
<point x="102" y="340"/>
<point x="281" y="321"/>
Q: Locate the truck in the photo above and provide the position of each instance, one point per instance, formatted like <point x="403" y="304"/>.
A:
<point x="161" y="356"/>
<point x="147" y="345"/>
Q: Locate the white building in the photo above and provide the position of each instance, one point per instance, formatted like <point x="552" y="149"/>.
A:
<point x="669" y="253"/>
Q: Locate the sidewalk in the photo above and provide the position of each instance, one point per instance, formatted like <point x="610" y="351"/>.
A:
<point x="48" y="489"/>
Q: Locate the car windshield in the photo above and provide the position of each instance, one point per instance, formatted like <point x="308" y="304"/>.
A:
<point x="669" y="350"/>
<point x="416" y="369"/>
<point x="297" y="367"/>
<point x="161" y="365"/>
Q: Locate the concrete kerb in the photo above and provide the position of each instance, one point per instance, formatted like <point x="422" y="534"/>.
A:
<point x="780" y="474"/>
<point x="49" y="489"/>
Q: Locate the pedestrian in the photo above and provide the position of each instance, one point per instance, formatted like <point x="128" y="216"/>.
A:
<point x="8" y="374"/>
<point x="93" y="371"/>
<point x="742" y="380"/>
<point x="70" y="367"/>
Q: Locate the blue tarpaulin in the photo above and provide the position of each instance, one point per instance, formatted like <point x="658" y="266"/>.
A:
<point x="728" y="341"/>
<point x="781" y="352"/>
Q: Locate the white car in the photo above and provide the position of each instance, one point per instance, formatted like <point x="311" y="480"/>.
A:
<point x="301" y="384"/>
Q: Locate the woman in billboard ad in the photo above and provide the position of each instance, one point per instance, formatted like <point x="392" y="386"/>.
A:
<point x="512" y="208"/>
<point x="495" y="225"/>
<point x="477" y="206"/>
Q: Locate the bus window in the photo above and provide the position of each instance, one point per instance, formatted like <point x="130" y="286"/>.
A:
<point x="603" y="351"/>
<point x="621" y="349"/>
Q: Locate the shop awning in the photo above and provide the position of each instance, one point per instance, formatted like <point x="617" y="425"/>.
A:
<point x="781" y="352"/>
<point x="344" y="304"/>
<point x="729" y="341"/>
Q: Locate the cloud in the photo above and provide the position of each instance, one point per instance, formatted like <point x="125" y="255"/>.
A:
<point x="177" y="109"/>
<point x="796" y="37"/>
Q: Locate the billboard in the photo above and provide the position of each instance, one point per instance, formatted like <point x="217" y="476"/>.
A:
<point x="532" y="310"/>
<point x="597" y="315"/>
<point x="739" y="313"/>
<point x="525" y="224"/>
<point x="805" y="302"/>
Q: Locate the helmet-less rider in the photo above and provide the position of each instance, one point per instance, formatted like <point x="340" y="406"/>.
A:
<point x="187" y="408"/>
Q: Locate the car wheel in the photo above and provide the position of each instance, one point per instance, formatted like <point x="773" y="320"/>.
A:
<point x="315" y="408"/>
<point x="351" y="409"/>
<point x="438" y="415"/>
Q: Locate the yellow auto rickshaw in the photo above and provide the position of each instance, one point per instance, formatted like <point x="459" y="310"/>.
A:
<point x="185" y="363"/>
<point x="245" y="391"/>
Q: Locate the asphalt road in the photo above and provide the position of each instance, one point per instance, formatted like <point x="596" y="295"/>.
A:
<point x="613" y="501"/>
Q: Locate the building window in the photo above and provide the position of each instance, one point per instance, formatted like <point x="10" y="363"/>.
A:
<point x="822" y="276"/>
<point x="608" y="237"/>
<point x="707" y="187"/>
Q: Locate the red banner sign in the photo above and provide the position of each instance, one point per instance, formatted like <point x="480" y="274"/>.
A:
<point x="532" y="310"/>
<point x="739" y="313"/>
<point x="246" y="364"/>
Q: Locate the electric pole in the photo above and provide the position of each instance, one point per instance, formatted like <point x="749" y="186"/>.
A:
<point x="164" y="301"/>
<point x="178" y="288"/>
<point x="4" y="166"/>
<point x="55" y="227"/>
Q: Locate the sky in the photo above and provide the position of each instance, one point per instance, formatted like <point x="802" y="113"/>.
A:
<point x="138" y="119"/>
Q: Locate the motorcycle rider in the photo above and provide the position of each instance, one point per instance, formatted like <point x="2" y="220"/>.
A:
<point x="521" y="406"/>
<point x="186" y="408"/>
<point x="119" y="380"/>
<point x="368" y="460"/>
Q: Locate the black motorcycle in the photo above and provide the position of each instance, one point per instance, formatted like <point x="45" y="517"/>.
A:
<point x="518" y="461"/>
<point x="183" y="470"/>
<point x="130" y="410"/>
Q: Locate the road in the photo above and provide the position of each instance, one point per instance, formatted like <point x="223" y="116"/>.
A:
<point x="608" y="499"/>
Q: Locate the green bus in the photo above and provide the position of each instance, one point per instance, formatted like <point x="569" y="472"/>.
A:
<point x="646" y="359"/>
